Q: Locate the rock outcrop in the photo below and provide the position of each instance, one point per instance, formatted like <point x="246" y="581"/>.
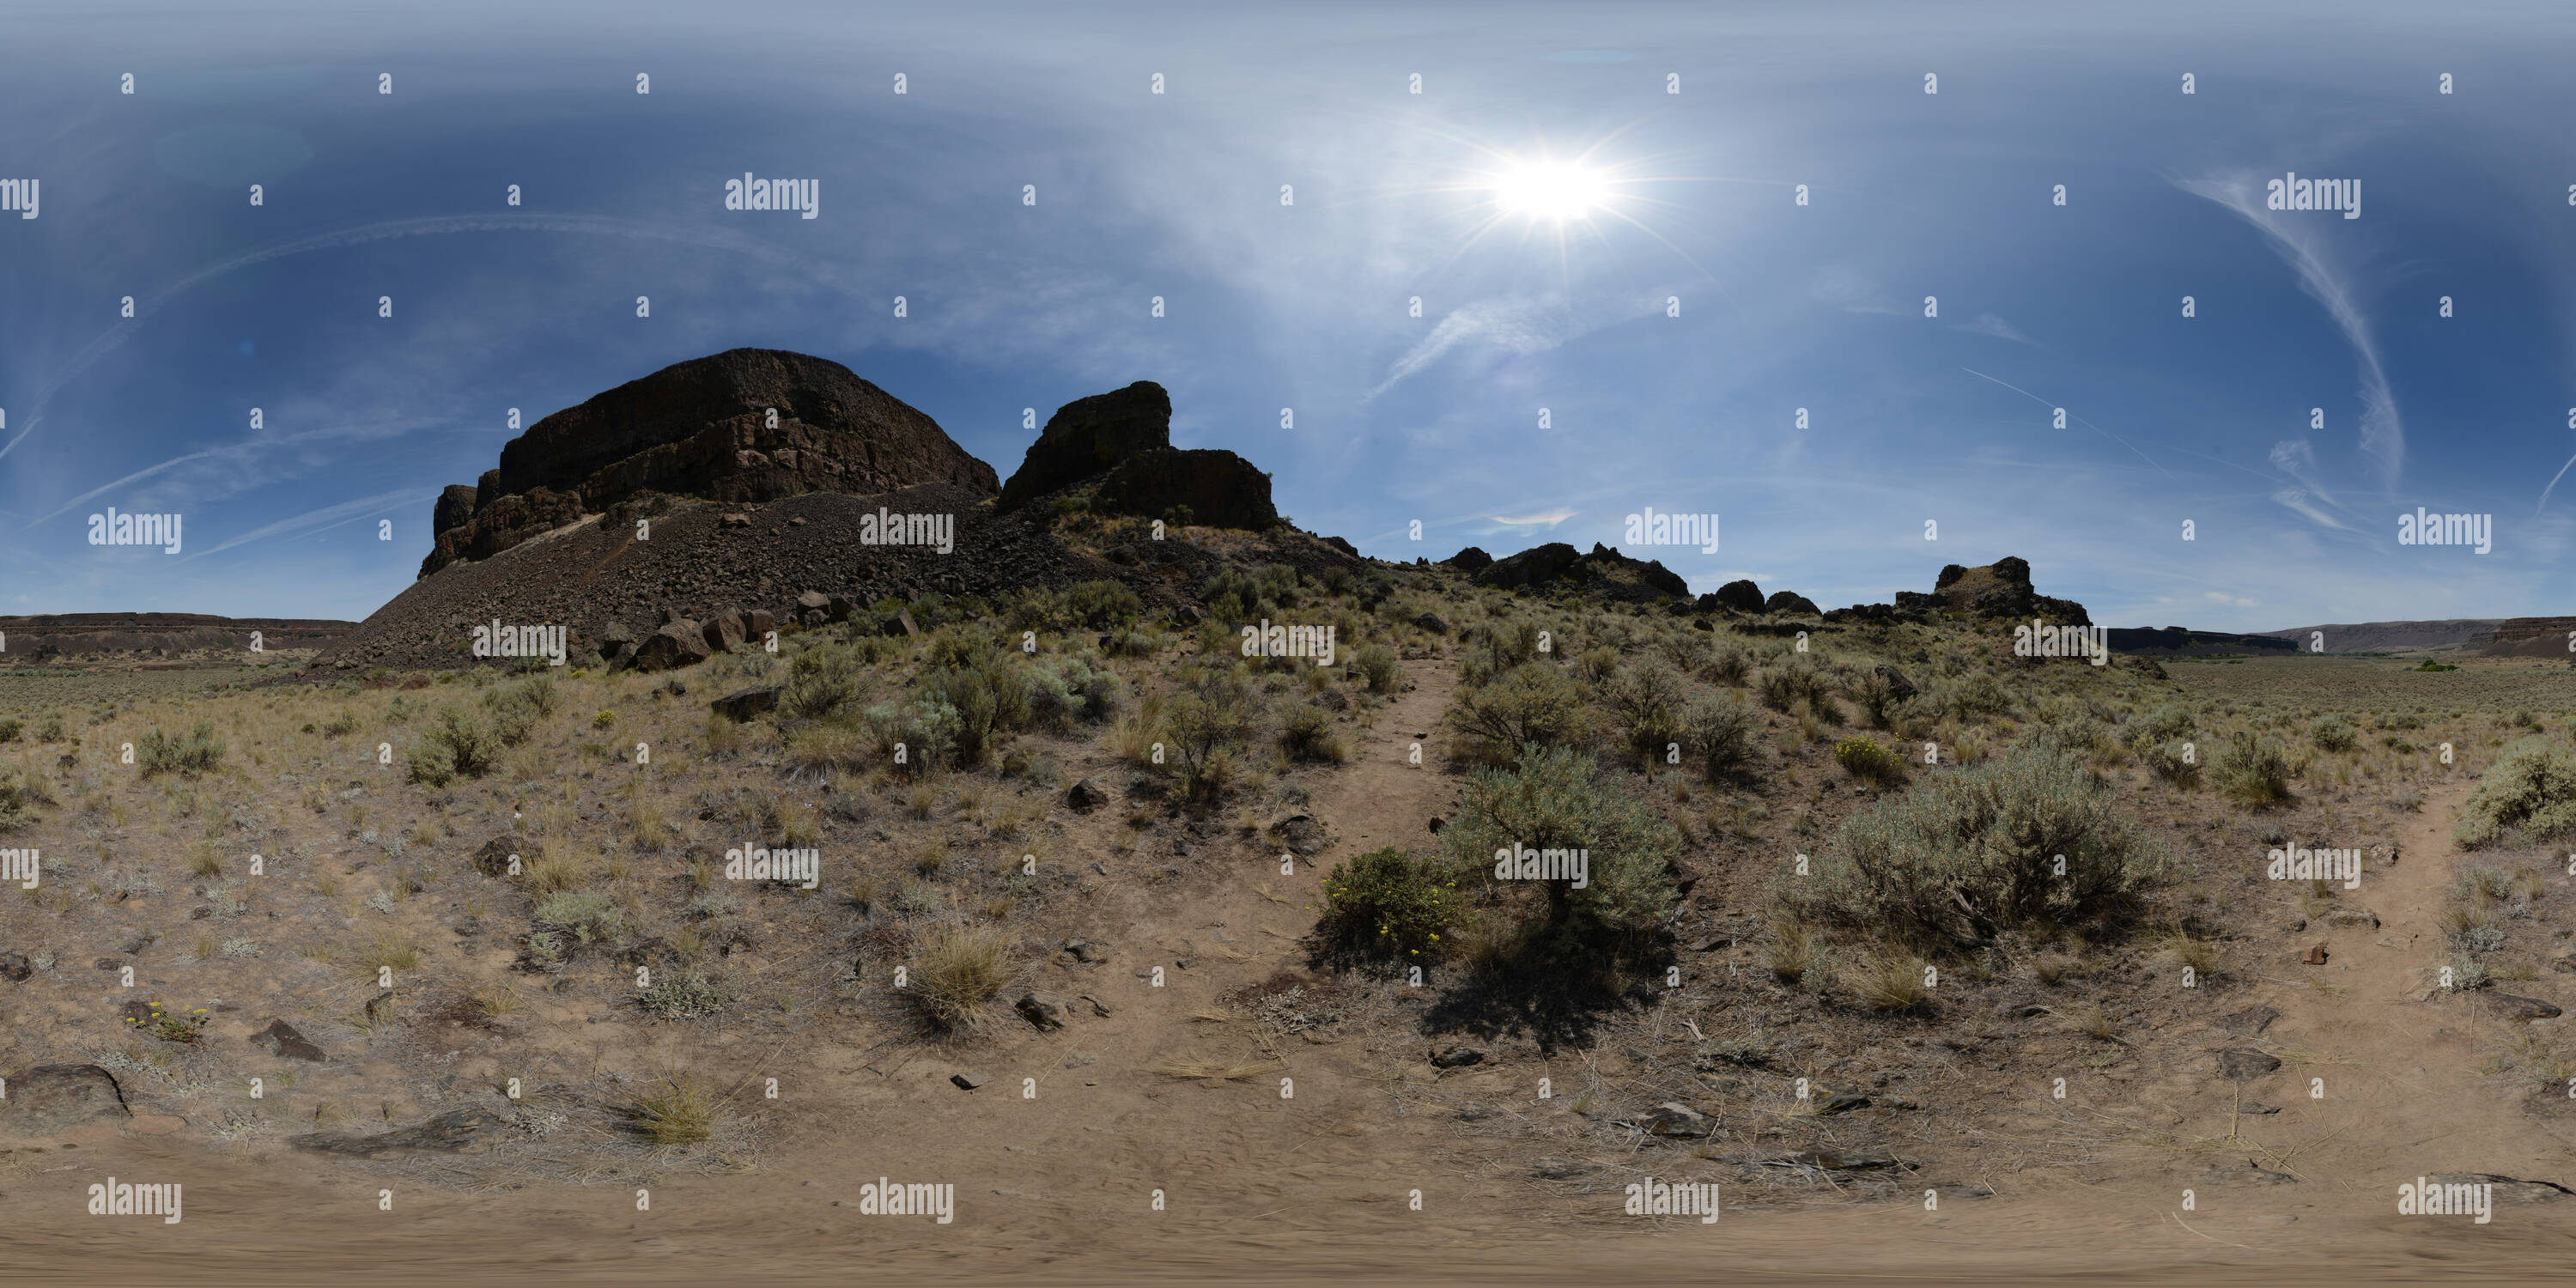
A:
<point x="742" y="425"/>
<point x="1120" y="442"/>
<point x="1999" y="589"/>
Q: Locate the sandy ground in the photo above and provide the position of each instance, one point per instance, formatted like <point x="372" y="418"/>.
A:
<point x="1259" y="1188"/>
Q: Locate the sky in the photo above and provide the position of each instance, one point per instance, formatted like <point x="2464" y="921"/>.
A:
<point x="1709" y="258"/>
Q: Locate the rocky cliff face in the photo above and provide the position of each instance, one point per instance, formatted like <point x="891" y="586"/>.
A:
<point x="2529" y="637"/>
<point x="1120" y="443"/>
<point x="742" y="425"/>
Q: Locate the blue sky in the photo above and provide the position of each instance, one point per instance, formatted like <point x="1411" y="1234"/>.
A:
<point x="1450" y="195"/>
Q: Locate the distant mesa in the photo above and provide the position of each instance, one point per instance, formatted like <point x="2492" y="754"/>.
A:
<point x="2175" y="641"/>
<point x="742" y="425"/>
<point x="1120" y="444"/>
<point x="40" y="638"/>
<point x="2526" y="637"/>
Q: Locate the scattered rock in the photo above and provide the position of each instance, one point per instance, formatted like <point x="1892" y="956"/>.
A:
<point x="2257" y="1107"/>
<point x="53" y="1098"/>
<point x="2245" y="1064"/>
<point x="2315" y="956"/>
<point x="1080" y="1059"/>
<point x="2250" y="1021"/>
<point x="1560" y="1169"/>
<point x="15" y="967"/>
<point x="1677" y="1120"/>
<point x="1844" y="1103"/>
<point x="380" y="1008"/>
<point x="2353" y="917"/>
<point x="1301" y="834"/>
<point x="281" y="1040"/>
<point x="743" y="704"/>
<point x="1898" y="687"/>
<point x="493" y="860"/>
<point x="1456" y="1057"/>
<point x="1839" y="1160"/>
<point x="1044" y="1010"/>
<point x="1473" y="1111"/>
<point x="737" y="521"/>
<point x="967" y="1081"/>
<point x="2564" y="962"/>
<point x="458" y="1131"/>
<point x="1098" y="1007"/>
<point x="1431" y="622"/>
<point x="1086" y="795"/>
<point x="1085" y="951"/>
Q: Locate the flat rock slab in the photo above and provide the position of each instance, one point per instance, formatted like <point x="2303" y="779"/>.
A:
<point x="2250" y="1021"/>
<point x="51" y="1098"/>
<point x="2245" y="1064"/>
<point x="1848" y="1160"/>
<point x="459" y="1131"/>
<point x="2509" y="1006"/>
<point x="281" y="1040"/>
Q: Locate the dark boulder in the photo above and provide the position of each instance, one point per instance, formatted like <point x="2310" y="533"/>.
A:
<point x="1471" y="559"/>
<point x="455" y="508"/>
<point x="671" y="646"/>
<point x="1786" y="601"/>
<point x="743" y="704"/>
<point x="1742" y="596"/>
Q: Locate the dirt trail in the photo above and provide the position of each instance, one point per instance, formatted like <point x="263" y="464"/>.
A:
<point x="2403" y="1091"/>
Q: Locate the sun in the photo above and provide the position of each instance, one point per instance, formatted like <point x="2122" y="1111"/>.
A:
<point x="1556" y="191"/>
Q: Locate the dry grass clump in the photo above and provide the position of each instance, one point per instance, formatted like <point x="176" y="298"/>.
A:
<point x="191" y="755"/>
<point x="1890" y="980"/>
<point x="681" y="1112"/>
<point x="962" y="968"/>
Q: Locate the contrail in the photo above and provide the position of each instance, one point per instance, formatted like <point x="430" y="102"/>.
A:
<point x="2078" y="419"/>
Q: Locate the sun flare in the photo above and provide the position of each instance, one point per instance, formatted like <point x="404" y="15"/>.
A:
<point x="1557" y="191"/>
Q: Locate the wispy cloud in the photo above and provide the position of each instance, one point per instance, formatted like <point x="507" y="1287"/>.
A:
<point x="1543" y="519"/>
<point x="1989" y="324"/>
<point x="2297" y="241"/>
